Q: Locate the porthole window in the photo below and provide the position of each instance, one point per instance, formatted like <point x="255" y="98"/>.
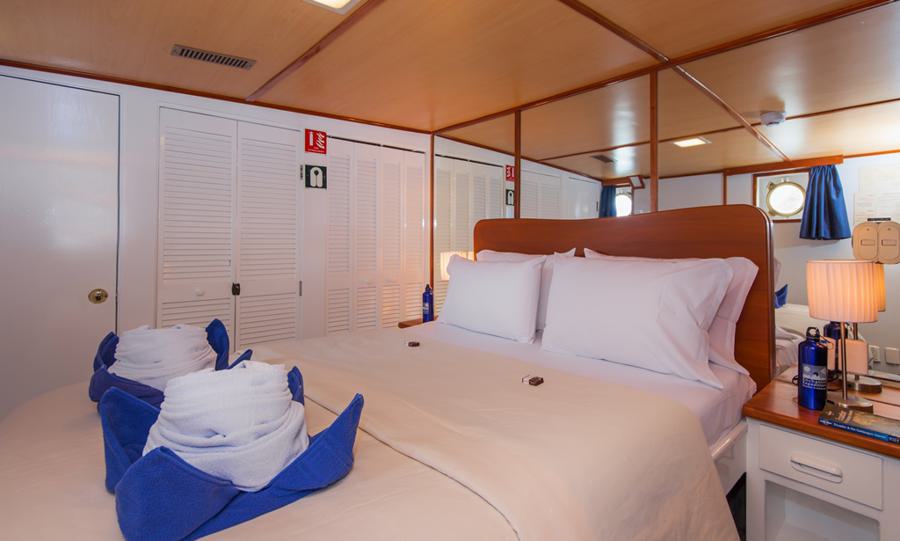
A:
<point x="782" y="196"/>
<point x="623" y="204"/>
<point x="785" y="198"/>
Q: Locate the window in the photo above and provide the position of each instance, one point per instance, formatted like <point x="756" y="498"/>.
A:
<point x="781" y="195"/>
<point x="623" y="204"/>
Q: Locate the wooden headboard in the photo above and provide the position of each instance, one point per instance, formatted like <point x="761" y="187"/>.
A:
<point x="723" y="231"/>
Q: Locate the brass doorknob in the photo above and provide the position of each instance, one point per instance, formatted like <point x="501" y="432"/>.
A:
<point x="97" y="296"/>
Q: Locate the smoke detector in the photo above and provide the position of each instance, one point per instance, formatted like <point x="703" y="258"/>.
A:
<point x="771" y="118"/>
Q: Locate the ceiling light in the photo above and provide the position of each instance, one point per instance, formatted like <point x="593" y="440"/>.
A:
<point x="692" y="142"/>
<point x="337" y="6"/>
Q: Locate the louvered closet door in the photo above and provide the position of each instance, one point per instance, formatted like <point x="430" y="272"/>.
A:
<point x="540" y="196"/>
<point x="496" y="196"/>
<point x="338" y="230"/>
<point x="366" y="232"/>
<point x="443" y="189"/>
<point x="268" y="307"/>
<point x="414" y="246"/>
<point x="196" y="206"/>
<point x="391" y="222"/>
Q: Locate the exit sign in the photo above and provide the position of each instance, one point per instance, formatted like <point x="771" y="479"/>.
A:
<point x="316" y="141"/>
<point x="510" y="172"/>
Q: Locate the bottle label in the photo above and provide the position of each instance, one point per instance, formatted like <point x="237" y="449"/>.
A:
<point x="814" y="377"/>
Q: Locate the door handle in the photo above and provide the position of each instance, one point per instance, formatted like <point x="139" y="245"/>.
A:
<point x="98" y="296"/>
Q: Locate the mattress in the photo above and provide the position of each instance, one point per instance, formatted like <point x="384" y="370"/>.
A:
<point x="718" y="410"/>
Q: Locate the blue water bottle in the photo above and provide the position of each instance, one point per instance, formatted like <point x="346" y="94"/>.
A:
<point x="427" y="305"/>
<point x="812" y="387"/>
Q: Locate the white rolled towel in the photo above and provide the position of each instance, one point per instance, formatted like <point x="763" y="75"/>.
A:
<point x="154" y="356"/>
<point x="240" y="424"/>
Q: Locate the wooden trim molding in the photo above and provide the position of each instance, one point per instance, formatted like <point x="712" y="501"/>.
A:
<point x="342" y="27"/>
<point x="724" y="188"/>
<point x="517" y="167"/>
<point x="784" y="167"/>
<point x="598" y="18"/>
<point x="431" y="222"/>
<point x="654" y="142"/>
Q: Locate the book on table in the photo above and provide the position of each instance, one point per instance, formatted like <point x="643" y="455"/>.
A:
<point x="860" y="422"/>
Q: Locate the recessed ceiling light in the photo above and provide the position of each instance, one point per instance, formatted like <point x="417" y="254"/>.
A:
<point x="337" y="6"/>
<point x="692" y="142"/>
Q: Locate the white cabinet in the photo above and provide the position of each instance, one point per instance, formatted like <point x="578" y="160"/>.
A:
<point x="801" y="487"/>
<point x="464" y="193"/>
<point x="375" y="247"/>
<point x="228" y="214"/>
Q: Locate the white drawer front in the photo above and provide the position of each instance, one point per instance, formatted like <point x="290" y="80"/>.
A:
<point x="851" y="474"/>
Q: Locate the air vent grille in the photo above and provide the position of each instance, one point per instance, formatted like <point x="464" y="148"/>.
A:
<point x="213" y="57"/>
<point x="602" y="158"/>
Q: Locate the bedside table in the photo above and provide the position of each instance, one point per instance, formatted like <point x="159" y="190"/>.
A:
<point x="810" y="481"/>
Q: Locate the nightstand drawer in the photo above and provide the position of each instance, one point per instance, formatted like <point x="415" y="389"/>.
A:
<point x="847" y="473"/>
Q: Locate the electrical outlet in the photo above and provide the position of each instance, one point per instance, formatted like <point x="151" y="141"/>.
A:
<point x="874" y="354"/>
<point x="892" y="355"/>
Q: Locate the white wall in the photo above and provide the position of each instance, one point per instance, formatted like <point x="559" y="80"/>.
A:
<point x="138" y="181"/>
<point x="683" y="192"/>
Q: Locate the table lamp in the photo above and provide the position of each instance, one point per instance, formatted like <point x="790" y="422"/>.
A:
<point x="845" y="291"/>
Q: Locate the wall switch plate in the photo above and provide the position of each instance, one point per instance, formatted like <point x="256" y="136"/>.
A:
<point x="892" y="355"/>
<point x="874" y="354"/>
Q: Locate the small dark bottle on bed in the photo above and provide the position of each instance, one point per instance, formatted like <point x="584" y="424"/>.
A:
<point x="427" y="304"/>
<point x="812" y="387"/>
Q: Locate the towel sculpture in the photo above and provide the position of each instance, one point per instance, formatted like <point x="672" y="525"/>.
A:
<point x="226" y="447"/>
<point x="144" y="359"/>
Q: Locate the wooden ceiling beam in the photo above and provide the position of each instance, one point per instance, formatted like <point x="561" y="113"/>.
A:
<point x="342" y="27"/>
<point x="738" y="43"/>
<point x="760" y="136"/>
<point x="595" y="16"/>
<point x="784" y="165"/>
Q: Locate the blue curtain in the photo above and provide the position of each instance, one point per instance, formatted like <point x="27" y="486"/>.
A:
<point x="608" y="202"/>
<point x="825" y="214"/>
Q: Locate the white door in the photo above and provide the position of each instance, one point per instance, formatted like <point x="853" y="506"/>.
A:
<point x="581" y="199"/>
<point x="58" y="233"/>
<point x="268" y="233"/>
<point x="196" y="219"/>
<point x="540" y="196"/>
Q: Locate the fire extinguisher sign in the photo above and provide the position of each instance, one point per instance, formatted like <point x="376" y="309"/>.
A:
<point x="510" y="172"/>
<point x="316" y="141"/>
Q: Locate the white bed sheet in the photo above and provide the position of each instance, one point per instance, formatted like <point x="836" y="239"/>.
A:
<point x="718" y="410"/>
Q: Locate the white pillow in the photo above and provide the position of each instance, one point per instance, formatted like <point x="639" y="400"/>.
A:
<point x="724" y="326"/>
<point x="500" y="299"/>
<point x="491" y="256"/>
<point x="644" y="314"/>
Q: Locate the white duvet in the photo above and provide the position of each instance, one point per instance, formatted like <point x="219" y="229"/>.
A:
<point x="571" y="459"/>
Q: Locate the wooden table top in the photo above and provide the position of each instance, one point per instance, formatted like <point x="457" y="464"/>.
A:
<point x="777" y="404"/>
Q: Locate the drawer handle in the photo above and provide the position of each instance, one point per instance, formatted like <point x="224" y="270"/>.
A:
<point x="816" y="468"/>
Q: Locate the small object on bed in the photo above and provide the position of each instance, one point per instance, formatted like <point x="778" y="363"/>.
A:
<point x="109" y="373"/>
<point x="412" y="344"/>
<point x="535" y="381"/>
<point x="161" y="495"/>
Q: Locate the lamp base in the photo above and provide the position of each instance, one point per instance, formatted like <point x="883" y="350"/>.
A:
<point x="852" y="403"/>
<point x="864" y="384"/>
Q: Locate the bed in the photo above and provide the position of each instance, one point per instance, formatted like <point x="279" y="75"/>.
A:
<point x="452" y="445"/>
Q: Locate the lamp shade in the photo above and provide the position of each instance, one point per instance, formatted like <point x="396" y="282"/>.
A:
<point x="842" y="290"/>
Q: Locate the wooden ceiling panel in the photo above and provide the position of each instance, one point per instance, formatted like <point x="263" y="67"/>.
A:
<point x="728" y="149"/>
<point x="133" y="39"/>
<point x="611" y="116"/>
<point x="850" y="61"/>
<point x="428" y="64"/>
<point x="633" y="160"/>
<point x="854" y="131"/>
<point x="498" y="133"/>
<point x="692" y="25"/>
<point x="685" y="110"/>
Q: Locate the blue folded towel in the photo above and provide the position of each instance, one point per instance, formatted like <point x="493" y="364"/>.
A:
<point x="159" y="496"/>
<point x="102" y="380"/>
